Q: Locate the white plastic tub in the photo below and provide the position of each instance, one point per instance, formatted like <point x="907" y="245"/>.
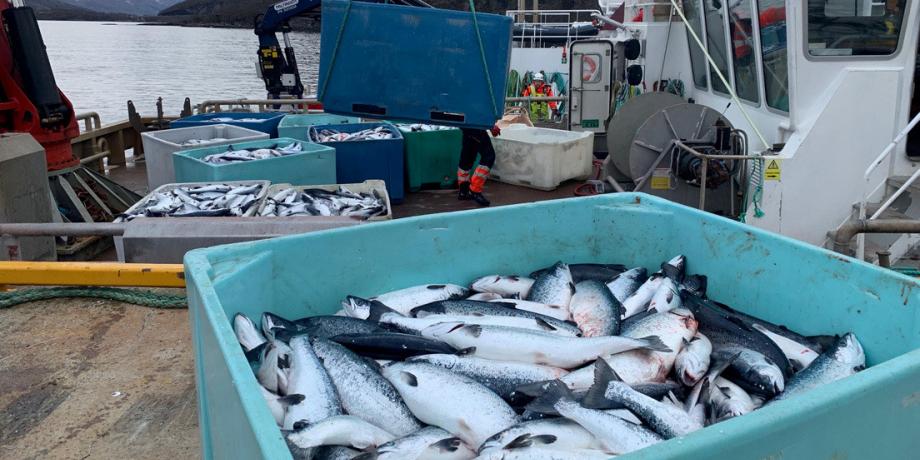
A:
<point x="160" y="145"/>
<point x="542" y="158"/>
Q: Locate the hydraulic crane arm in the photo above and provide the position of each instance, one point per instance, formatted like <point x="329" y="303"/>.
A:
<point x="277" y="66"/>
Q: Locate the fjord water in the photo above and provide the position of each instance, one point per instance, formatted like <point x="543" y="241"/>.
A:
<point x="100" y="66"/>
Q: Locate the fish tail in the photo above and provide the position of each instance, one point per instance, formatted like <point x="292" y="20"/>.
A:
<point x="556" y="392"/>
<point x="596" y="397"/>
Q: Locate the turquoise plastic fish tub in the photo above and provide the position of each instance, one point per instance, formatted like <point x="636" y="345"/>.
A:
<point x="874" y="414"/>
<point x="297" y="126"/>
<point x="315" y="164"/>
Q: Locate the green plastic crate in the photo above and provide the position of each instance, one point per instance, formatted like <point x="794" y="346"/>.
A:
<point x="297" y="126"/>
<point x="874" y="414"/>
<point x="314" y="165"/>
<point x="432" y="157"/>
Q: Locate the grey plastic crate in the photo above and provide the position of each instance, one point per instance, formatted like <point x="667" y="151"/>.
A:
<point x="160" y="145"/>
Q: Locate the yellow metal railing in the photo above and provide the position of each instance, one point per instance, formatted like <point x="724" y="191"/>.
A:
<point x="91" y="274"/>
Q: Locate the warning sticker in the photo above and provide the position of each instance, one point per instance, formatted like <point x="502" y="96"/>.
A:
<point x="661" y="179"/>
<point x="773" y="170"/>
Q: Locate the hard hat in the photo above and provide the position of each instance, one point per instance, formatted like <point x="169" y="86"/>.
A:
<point x="538" y="76"/>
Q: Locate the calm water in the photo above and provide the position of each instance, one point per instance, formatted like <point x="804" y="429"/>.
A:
<point x="100" y="66"/>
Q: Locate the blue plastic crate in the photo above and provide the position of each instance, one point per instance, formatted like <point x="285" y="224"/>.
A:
<point x="421" y="64"/>
<point x="871" y="415"/>
<point x="266" y="122"/>
<point x="297" y="126"/>
<point x="358" y="161"/>
<point x="314" y="165"/>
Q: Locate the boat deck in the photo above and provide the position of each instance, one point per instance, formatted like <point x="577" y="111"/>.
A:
<point x="84" y="379"/>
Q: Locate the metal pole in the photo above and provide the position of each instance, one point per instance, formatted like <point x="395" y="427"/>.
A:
<point x="61" y="229"/>
<point x="704" y="171"/>
<point x="847" y="231"/>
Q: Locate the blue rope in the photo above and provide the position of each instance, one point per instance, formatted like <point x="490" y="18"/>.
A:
<point x="335" y="52"/>
<point x="485" y="65"/>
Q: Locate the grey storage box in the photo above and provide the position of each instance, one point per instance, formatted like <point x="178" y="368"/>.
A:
<point x="160" y="145"/>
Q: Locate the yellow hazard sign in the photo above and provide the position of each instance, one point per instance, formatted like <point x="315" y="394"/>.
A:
<point x="773" y="170"/>
<point x="661" y="179"/>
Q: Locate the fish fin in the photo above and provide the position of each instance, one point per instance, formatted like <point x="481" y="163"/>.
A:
<point x="300" y="425"/>
<point x="543" y="439"/>
<point x="654" y="343"/>
<point x="544" y="325"/>
<point x="533" y="389"/>
<point x="466" y="351"/>
<point x="447" y="444"/>
<point x="595" y="397"/>
<point x="474" y="329"/>
<point x="720" y="362"/>
<point x="292" y="399"/>
<point x="514" y="278"/>
<point x="673" y="273"/>
<point x="519" y="442"/>
<point x="378" y="309"/>
<point x="366" y="456"/>
<point x="545" y="404"/>
<point x="669" y="297"/>
<point x="284" y="361"/>
<point x="572" y="287"/>
<point x="409" y="378"/>
<point x="503" y="304"/>
<point x="255" y="353"/>
<point x="435" y="287"/>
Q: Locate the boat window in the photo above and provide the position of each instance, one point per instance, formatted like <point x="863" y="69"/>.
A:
<point x="591" y="68"/>
<point x="854" y="27"/>
<point x="744" y="62"/>
<point x="697" y="57"/>
<point x="772" y="16"/>
<point x="715" y="42"/>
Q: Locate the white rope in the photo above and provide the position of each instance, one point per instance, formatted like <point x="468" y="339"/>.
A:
<point x="712" y="62"/>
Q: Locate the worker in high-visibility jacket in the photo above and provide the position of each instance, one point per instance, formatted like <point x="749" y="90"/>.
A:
<point x="539" y="88"/>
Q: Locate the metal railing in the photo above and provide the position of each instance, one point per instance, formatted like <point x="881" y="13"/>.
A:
<point x="532" y="19"/>
<point x="863" y="204"/>
<point x="91" y="121"/>
<point x="219" y="105"/>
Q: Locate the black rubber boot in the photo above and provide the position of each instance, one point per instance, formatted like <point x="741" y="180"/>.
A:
<point x="479" y="198"/>
<point x="464" y="193"/>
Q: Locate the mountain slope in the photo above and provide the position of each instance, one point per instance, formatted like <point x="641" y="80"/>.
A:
<point x="135" y="7"/>
<point x="59" y="10"/>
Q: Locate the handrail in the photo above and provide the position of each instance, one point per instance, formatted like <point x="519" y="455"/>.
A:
<point x="863" y="204"/>
<point x="216" y="104"/>
<point x="87" y="118"/>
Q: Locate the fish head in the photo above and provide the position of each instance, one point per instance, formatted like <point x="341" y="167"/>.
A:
<point x="485" y="283"/>
<point x="768" y="375"/>
<point x="439" y="330"/>
<point x="356" y="307"/>
<point x="849" y="351"/>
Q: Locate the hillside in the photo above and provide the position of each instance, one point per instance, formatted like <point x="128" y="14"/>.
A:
<point x="59" y="10"/>
<point x="133" y="7"/>
<point x="241" y="12"/>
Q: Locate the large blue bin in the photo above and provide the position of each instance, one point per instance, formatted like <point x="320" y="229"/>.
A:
<point x="358" y="161"/>
<point x="314" y="165"/>
<point x="410" y="63"/>
<point x="297" y="126"/>
<point x="266" y="122"/>
<point x="874" y="414"/>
